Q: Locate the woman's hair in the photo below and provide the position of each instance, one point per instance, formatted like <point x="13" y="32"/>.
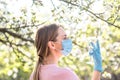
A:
<point x="43" y="36"/>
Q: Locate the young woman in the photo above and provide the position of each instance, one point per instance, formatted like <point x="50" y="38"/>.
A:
<point x="51" y="43"/>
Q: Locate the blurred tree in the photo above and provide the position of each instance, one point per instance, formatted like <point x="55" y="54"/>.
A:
<point x="84" y="20"/>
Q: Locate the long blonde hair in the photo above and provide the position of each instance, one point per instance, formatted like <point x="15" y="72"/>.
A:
<point x="43" y="35"/>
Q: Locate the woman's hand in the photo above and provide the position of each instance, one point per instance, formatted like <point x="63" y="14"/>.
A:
<point x="96" y="54"/>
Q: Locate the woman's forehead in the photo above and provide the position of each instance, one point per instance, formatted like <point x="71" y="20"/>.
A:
<point x="61" y="32"/>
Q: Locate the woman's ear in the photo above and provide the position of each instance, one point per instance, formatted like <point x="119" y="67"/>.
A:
<point x="51" y="45"/>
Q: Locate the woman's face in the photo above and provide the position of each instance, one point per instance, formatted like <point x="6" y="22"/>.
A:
<point x="61" y="36"/>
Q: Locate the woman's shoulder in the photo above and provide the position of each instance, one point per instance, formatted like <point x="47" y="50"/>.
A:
<point x="66" y="70"/>
<point x="68" y="74"/>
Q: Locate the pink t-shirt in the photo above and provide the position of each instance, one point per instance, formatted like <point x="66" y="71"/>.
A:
<point x="53" y="72"/>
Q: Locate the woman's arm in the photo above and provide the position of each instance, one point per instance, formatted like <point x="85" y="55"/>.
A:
<point x="96" y="54"/>
<point x="96" y="75"/>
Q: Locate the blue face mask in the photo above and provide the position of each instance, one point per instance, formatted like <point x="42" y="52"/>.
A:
<point x="66" y="47"/>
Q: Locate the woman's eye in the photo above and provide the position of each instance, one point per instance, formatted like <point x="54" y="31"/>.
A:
<point x="65" y="37"/>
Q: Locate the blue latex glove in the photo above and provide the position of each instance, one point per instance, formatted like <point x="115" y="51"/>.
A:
<point x="96" y="54"/>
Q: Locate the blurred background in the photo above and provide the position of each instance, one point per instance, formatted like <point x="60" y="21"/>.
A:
<point x="83" y="20"/>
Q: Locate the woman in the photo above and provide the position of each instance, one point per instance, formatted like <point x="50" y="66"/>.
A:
<point x="51" y="43"/>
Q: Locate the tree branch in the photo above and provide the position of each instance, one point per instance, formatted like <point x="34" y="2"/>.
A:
<point x="4" y="42"/>
<point x="15" y="48"/>
<point x="5" y="30"/>
<point x="92" y="13"/>
<point x="24" y="26"/>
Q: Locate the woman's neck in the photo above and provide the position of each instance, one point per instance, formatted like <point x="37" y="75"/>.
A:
<point x="51" y="59"/>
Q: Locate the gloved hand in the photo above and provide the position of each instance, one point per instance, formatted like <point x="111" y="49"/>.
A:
<point x="96" y="54"/>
